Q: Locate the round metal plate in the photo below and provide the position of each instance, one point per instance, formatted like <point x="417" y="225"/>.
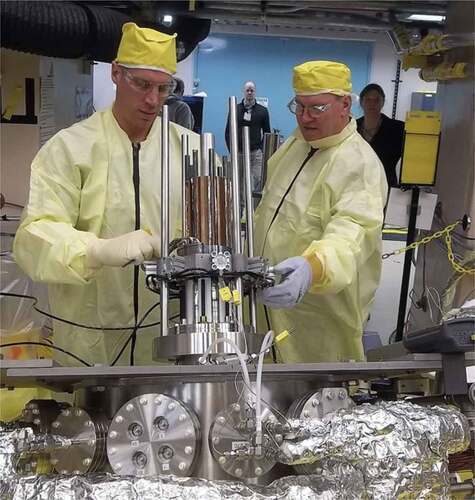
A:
<point x="153" y="434"/>
<point x="87" y="452"/>
<point x="232" y="435"/>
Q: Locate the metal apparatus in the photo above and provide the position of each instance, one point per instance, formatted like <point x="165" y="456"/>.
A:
<point x="206" y="268"/>
<point x="209" y="417"/>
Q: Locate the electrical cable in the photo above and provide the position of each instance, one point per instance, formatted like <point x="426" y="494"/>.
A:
<point x="49" y="346"/>
<point x="68" y="322"/>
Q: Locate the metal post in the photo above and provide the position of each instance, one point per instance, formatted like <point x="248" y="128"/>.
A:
<point x="184" y="164"/>
<point x="165" y="229"/>
<point x="406" y="273"/>
<point x="233" y="136"/>
<point x="246" y="149"/>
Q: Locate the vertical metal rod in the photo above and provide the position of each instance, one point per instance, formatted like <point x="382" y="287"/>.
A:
<point x="233" y="128"/>
<point x="184" y="154"/>
<point x="246" y="150"/>
<point x="164" y="215"/>
<point x="235" y="173"/>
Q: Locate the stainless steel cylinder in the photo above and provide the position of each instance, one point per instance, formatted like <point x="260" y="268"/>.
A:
<point x="206" y="145"/>
<point x="165" y="218"/>
<point x="271" y="143"/>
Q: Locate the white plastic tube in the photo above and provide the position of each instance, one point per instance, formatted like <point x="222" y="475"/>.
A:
<point x="241" y="356"/>
<point x="266" y="344"/>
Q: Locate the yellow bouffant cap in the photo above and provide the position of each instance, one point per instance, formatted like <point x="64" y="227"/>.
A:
<point x="322" y="77"/>
<point x="146" y="48"/>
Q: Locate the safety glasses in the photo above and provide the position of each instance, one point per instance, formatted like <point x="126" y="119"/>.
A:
<point x="314" y="111"/>
<point x="145" y="86"/>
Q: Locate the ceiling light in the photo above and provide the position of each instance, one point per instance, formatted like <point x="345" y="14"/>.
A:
<point x="426" y="17"/>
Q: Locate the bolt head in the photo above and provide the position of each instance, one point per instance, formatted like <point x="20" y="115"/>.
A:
<point x="188" y="450"/>
<point x="182" y="466"/>
<point x="315" y="402"/>
<point x="222" y="460"/>
<point x="258" y="471"/>
<point x="78" y="412"/>
<point x="158" y="400"/>
<point x="182" y="417"/>
<point x="330" y="395"/>
<point x="143" y="401"/>
<point x="171" y="406"/>
<point x="113" y="434"/>
<point x="87" y="462"/>
<point x="238" y="472"/>
<point x="56" y="424"/>
<point x="130" y="407"/>
<point x="37" y="421"/>
<point x="119" y="419"/>
<point x="342" y="395"/>
<point x="221" y="420"/>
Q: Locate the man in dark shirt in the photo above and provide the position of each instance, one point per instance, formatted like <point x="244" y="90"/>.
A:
<point x="256" y="117"/>
<point x="384" y="134"/>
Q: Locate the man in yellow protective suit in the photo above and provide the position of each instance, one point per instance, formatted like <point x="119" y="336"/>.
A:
<point x="320" y="218"/>
<point x="94" y="208"/>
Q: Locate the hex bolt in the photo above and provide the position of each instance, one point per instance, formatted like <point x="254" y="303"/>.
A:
<point x="112" y="451"/>
<point x="135" y="430"/>
<point x="236" y="407"/>
<point x="258" y="471"/>
<point x="129" y="407"/>
<point x="216" y="439"/>
<point x="238" y="472"/>
<point x="222" y="460"/>
<point x="161" y="423"/>
<point x="119" y="419"/>
<point x="139" y="459"/>
<point x="158" y="400"/>
<point x="171" y="406"/>
<point x="87" y="462"/>
<point x="113" y="434"/>
<point x="188" y="450"/>
<point x="165" y="452"/>
<point x="143" y="401"/>
<point x="221" y="420"/>
<point x="315" y="402"/>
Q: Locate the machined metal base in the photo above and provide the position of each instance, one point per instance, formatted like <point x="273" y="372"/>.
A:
<point x="193" y="341"/>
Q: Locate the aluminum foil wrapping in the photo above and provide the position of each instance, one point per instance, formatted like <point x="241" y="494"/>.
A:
<point x="397" y="446"/>
<point x="108" y="487"/>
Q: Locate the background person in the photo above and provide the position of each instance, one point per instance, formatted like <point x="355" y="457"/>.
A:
<point x="256" y="117"/>
<point x="385" y="135"/>
<point x="321" y="214"/>
<point x="178" y="110"/>
<point x="94" y="207"/>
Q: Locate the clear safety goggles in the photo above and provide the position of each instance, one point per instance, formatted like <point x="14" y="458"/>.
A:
<point x="314" y="111"/>
<point x="145" y="86"/>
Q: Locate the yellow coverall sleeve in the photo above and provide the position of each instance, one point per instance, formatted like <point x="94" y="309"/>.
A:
<point x="355" y="191"/>
<point x="47" y="246"/>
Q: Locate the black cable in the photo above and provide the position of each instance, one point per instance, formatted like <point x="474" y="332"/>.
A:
<point x="52" y="316"/>
<point x="273" y="351"/>
<point x="50" y="346"/>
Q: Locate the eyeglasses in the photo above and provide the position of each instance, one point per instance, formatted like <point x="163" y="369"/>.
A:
<point x="314" y="111"/>
<point x="145" y="86"/>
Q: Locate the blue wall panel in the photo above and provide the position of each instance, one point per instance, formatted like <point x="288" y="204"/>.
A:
<point x="225" y="62"/>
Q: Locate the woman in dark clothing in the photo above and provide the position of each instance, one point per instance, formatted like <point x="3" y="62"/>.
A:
<point x="383" y="133"/>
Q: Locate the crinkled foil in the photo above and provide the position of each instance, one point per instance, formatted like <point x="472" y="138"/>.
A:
<point x="108" y="487"/>
<point x="400" y="448"/>
<point x="381" y="451"/>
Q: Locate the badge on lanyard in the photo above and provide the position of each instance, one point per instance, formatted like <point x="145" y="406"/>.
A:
<point x="247" y="116"/>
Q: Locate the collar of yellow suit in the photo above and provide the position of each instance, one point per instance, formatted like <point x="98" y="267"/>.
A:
<point x="332" y="140"/>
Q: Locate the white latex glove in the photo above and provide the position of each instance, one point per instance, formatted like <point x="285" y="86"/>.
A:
<point x="131" y="247"/>
<point x="297" y="278"/>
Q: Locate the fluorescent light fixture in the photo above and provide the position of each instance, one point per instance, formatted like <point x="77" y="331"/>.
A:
<point x="426" y="17"/>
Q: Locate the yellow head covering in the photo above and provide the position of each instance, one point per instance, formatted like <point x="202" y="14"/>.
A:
<point x="322" y="77"/>
<point x="146" y="48"/>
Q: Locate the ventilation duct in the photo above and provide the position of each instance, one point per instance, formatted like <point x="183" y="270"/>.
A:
<point x="70" y="30"/>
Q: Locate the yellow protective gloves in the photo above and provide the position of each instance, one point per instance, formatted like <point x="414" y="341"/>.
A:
<point x="135" y="247"/>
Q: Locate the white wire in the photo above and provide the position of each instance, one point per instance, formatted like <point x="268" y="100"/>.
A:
<point x="266" y="344"/>
<point x="242" y="359"/>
